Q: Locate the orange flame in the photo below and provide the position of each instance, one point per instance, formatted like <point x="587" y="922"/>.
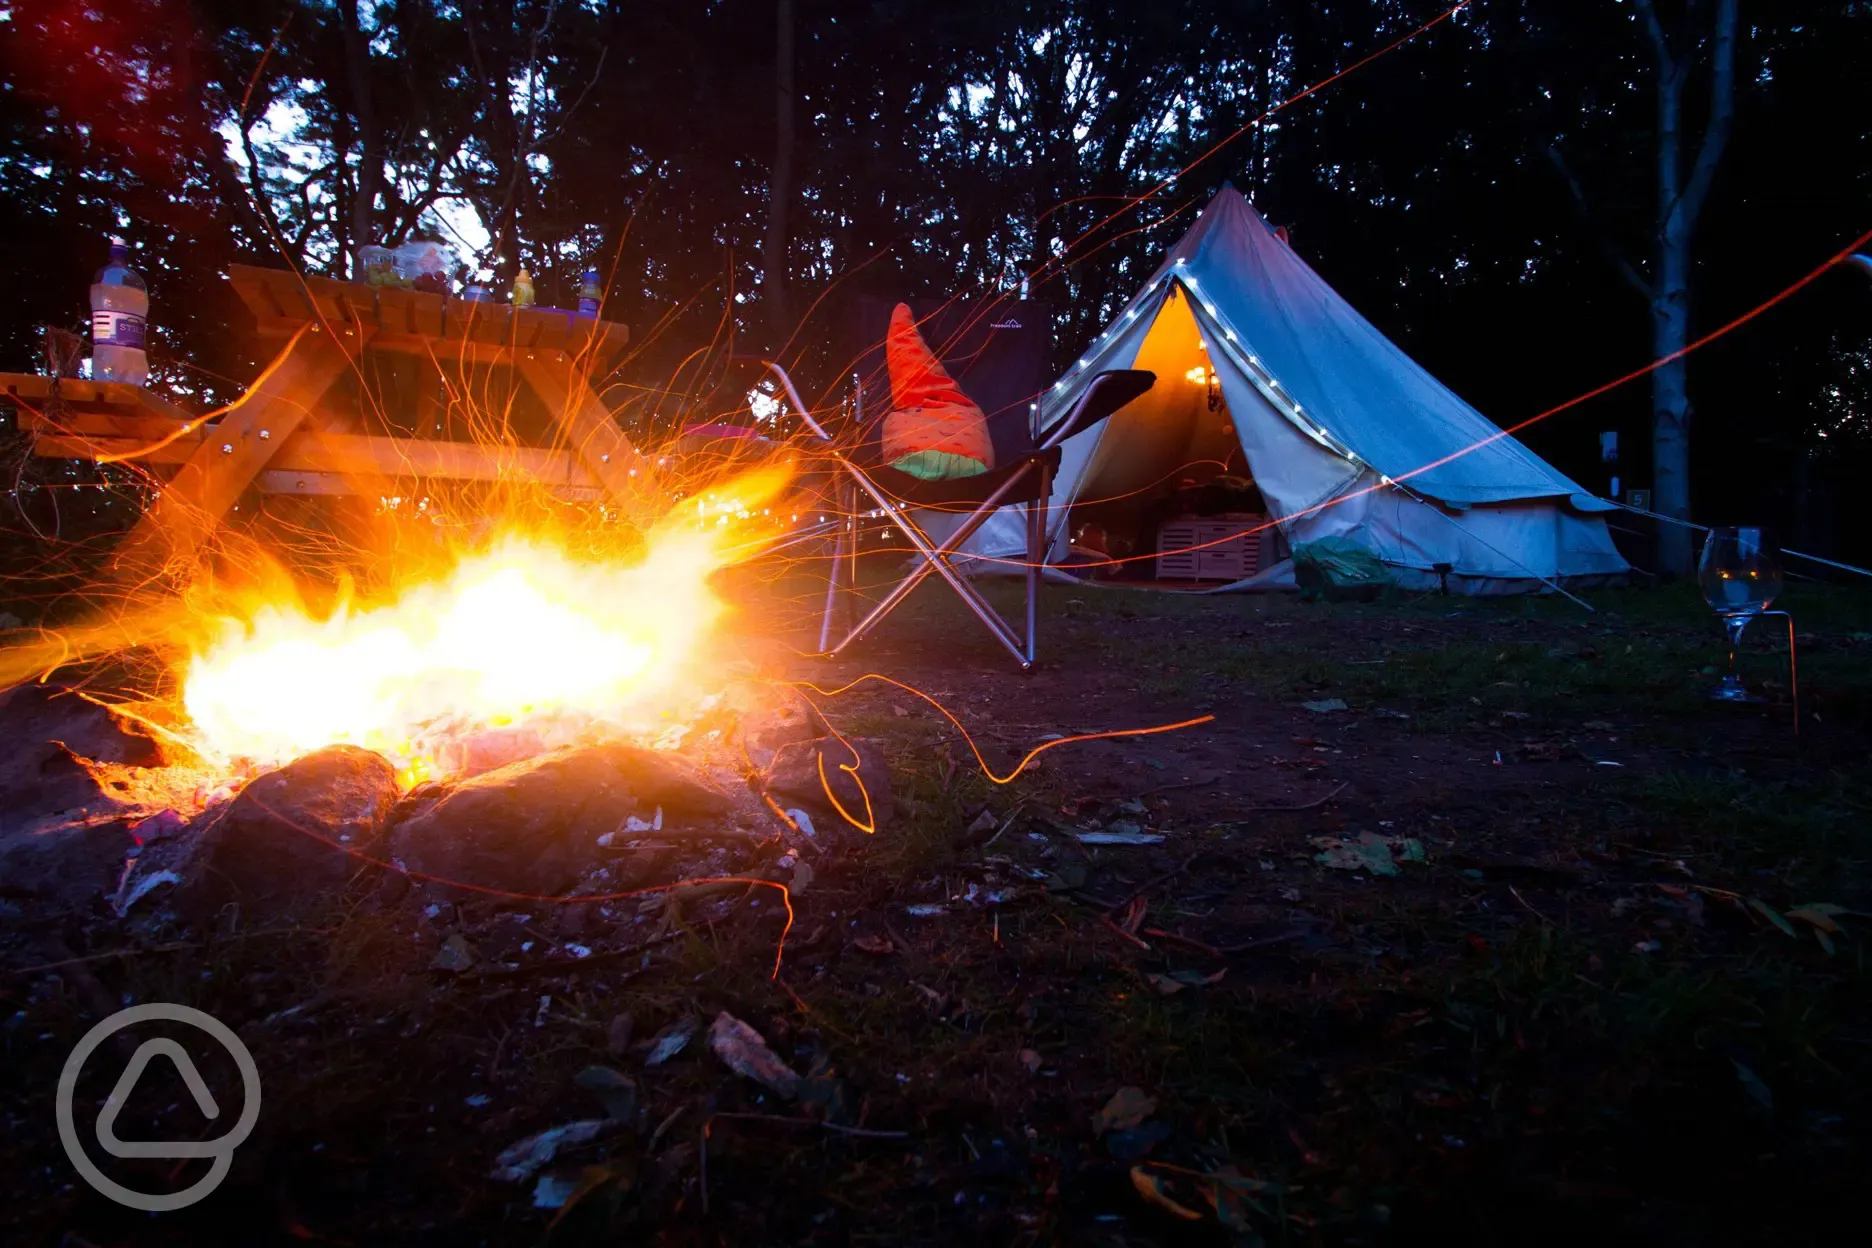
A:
<point x="517" y="634"/>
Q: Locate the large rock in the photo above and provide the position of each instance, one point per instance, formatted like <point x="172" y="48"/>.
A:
<point x="662" y="779"/>
<point x="814" y="775"/>
<point x="74" y="864"/>
<point x="48" y="736"/>
<point x="287" y="845"/>
<point x="529" y="826"/>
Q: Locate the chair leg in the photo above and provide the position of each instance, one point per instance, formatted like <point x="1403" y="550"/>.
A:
<point x="1036" y="558"/>
<point x="935" y="559"/>
<point x="844" y="564"/>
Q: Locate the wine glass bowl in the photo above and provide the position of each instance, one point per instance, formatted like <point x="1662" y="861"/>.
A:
<point x="1740" y="579"/>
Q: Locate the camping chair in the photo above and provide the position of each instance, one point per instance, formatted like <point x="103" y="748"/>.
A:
<point x="997" y="354"/>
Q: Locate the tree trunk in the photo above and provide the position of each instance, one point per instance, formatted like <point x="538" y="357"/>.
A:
<point x="1680" y="202"/>
<point x="1670" y="407"/>
<point x="370" y="141"/>
<point x="780" y="185"/>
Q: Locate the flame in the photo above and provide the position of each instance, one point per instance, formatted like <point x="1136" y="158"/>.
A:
<point x="518" y="635"/>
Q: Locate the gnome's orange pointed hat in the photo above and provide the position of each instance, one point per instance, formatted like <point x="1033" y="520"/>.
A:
<point x="917" y="377"/>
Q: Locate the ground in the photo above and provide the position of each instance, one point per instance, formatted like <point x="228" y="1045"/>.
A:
<point x="1613" y="988"/>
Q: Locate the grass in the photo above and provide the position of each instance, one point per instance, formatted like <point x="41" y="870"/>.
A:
<point x="1590" y="1034"/>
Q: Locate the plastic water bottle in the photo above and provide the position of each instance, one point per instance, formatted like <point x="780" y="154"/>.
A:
<point x="523" y="295"/>
<point x="591" y="294"/>
<point x="119" y="320"/>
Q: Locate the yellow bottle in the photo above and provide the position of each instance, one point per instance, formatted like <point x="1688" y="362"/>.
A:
<point x="523" y="289"/>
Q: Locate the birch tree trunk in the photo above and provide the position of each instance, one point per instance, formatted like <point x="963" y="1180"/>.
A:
<point x="1680" y="200"/>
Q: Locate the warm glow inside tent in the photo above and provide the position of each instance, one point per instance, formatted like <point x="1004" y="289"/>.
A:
<point x="1281" y="416"/>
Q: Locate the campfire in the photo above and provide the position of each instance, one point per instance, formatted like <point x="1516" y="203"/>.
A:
<point x="515" y="648"/>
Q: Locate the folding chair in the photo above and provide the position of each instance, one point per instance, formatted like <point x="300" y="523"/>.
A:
<point x="997" y="355"/>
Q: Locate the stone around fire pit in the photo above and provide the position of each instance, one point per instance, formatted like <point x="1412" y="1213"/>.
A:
<point x="48" y="734"/>
<point x="265" y="850"/>
<point x="530" y="826"/>
<point x="794" y="779"/>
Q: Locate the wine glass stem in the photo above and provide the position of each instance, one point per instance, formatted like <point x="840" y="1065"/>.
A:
<point x="1735" y="624"/>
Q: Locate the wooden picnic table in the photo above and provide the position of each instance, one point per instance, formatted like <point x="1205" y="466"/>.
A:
<point x="314" y="421"/>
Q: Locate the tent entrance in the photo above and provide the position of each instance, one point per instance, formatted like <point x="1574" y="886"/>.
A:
<point x="1169" y="474"/>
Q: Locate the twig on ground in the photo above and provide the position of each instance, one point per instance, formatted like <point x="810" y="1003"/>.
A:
<point x="902" y="944"/>
<point x="1126" y="935"/>
<point x="663" y="1128"/>
<point x="1530" y="909"/>
<point x="1264" y="810"/>
<point x="1282" y="939"/>
<point x="745" y="835"/>
<point x="1181" y="784"/>
<point x="63" y="963"/>
<point x="862" y="1133"/>
<point x="556" y="965"/>
<point x="1167" y="876"/>
<point x="1175" y="938"/>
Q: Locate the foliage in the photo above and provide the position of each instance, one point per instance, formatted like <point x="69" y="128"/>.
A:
<point x="945" y="148"/>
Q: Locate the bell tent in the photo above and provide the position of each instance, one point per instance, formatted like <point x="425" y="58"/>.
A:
<point x="1280" y="417"/>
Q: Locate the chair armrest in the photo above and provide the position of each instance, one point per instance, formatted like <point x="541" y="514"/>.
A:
<point x="799" y="404"/>
<point x="1108" y="392"/>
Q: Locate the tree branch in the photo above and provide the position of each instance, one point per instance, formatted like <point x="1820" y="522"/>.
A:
<point x="1655" y="28"/>
<point x="1625" y="267"/>
<point x="1721" y="114"/>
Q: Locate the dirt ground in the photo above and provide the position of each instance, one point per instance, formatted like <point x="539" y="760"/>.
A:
<point x="1460" y="921"/>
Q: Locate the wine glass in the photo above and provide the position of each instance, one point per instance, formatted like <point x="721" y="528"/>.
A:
<point x="1739" y="578"/>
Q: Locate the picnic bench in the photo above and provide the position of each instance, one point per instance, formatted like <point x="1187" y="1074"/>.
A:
<point x="370" y="388"/>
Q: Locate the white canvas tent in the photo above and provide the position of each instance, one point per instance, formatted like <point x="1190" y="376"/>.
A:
<point x="1343" y="433"/>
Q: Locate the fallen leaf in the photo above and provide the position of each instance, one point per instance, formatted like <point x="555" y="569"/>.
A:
<point x="1752" y="1084"/>
<point x="670" y="1041"/>
<point x="1151" y="1189"/>
<point x="879" y="945"/>
<point x="1772" y="915"/>
<point x="1165" y="985"/>
<point x="618" y="1035"/>
<point x="744" y="1051"/>
<point x="1370" y="852"/>
<point x="456" y="955"/>
<point x="1824" y="907"/>
<point x="520" y="1159"/>
<point x="553" y="1191"/>
<point x="1816" y="916"/>
<point x="1232" y="1195"/>
<point x="1031" y="1060"/>
<point x="1325" y="706"/>
<point x="1120" y="833"/>
<point x="614" y="1091"/>
<point x="591" y="1179"/>
<point x="802" y="879"/>
<point x="1127" y="1108"/>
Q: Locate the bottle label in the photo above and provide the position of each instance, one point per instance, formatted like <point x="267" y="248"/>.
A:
<point x="117" y="329"/>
